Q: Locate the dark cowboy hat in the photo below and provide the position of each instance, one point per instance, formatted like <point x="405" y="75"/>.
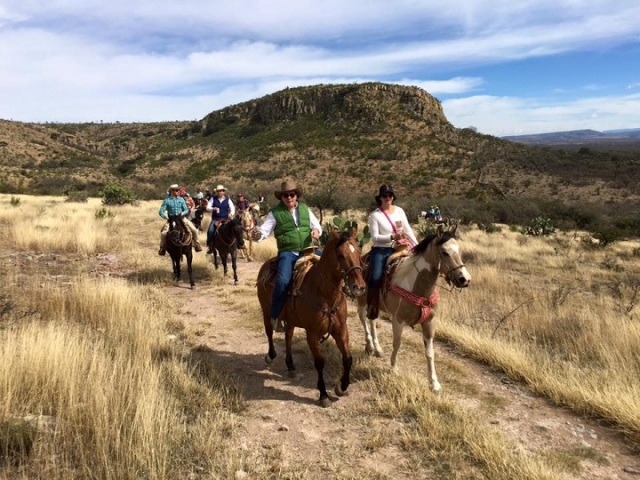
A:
<point x="288" y="186"/>
<point x="384" y="190"/>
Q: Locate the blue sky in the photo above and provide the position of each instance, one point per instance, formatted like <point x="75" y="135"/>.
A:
<point x="504" y="67"/>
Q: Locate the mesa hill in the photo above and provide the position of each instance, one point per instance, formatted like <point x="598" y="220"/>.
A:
<point x="350" y="138"/>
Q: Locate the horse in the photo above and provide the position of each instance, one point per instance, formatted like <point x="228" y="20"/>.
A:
<point x="319" y="307"/>
<point x="248" y="227"/>
<point x="179" y="243"/>
<point x="410" y="294"/>
<point x="227" y="240"/>
<point x="198" y="213"/>
<point x="255" y="208"/>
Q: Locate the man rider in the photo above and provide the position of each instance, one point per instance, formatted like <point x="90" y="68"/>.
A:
<point x="221" y="208"/>
<point x="174" y="205"/>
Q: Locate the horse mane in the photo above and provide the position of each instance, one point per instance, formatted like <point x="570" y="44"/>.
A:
<point x="421" y="247"/>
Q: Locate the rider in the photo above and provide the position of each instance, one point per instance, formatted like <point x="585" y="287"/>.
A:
<point x="174" y="205"/>
<point x="242" y="203"/>
<point x="436" y="213"/>
<point x="191" y="205"/>
<point x="221" y="208"/>
<point x="388" y="224"/>
<point x="294" y="226"/>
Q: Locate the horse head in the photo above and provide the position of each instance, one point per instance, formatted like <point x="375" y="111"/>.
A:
<point x="451" y="265"/>
<point x="248" y="222"/>
<point x="347" y="253"/>
<point x="177" y="229"/>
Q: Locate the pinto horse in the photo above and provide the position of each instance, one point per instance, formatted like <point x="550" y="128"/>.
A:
<point x="320" y="307"/>
<point x="198" y="213"/>
<point x="410" y="296"/>
<point x="226" y="241"/>
<point x="179" y="243"/>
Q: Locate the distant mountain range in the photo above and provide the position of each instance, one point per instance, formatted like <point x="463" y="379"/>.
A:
<point x="578" y="137"/>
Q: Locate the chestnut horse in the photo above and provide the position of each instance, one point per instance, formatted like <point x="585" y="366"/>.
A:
<point x="179" y="243"/>
<point x="320" y="307"/>
<point x="410" y="295"/>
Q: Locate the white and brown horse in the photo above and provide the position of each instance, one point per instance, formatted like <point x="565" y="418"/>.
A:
<point x="410" y="296"/>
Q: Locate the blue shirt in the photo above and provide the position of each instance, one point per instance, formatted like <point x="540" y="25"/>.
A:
<point x="174" y="206"/>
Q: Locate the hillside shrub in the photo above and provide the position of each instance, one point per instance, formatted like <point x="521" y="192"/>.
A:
<point x="114" y="194"/>
<point x="15" y="201"/>
<point x="540" y="226"/>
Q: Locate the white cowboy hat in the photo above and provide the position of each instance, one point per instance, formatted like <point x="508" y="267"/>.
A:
<point x="175" y="186"/>
<point x="220" y="187"/>
<point x="288" y="186"/>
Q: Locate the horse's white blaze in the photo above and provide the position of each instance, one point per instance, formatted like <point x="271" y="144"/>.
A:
<point x="352" y="249"/>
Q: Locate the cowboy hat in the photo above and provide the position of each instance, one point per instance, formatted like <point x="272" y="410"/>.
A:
<point x="288" y="186"/>
<point x="385" y="190"/>
<point x="175" y="186"/>
<point x="220" y="187"/>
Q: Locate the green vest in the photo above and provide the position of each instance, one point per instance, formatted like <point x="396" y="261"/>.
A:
<point x="289" y="237"/>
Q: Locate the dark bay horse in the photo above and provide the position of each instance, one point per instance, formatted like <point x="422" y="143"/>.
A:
<point x="226" y="241"/>
<point x="199" y="212"/>
<point x="410" y="296"/>
<point x="320" y="307"/>
<point x="179" y="243"/>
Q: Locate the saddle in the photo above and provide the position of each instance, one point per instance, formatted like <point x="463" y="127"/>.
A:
<point x="300" y="269"/>
<point x="392" y="264"/>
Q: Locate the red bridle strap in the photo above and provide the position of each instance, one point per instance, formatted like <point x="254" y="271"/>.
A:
<point x="425" y="304"/>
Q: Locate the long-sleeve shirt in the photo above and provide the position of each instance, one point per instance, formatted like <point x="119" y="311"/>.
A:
<point x="232" y="207"/>
<point x="269" y="223"/>
<point x="174" y="206"/>
<point x="381" y="230"/>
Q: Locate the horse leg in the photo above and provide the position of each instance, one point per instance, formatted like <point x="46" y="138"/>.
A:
<point x="268" y="329"/>
<point x="176" y="268"/>
<point x="341" y="337"/>
<point x="288" y="340"/>
<point x="189" y="255"/>
<point x="313" y="340"/>
<point x="234" y="265"/>
<point x="397" y="341"/>
<point x="215" y="258"/>
<point x="223" y="259"/>
<point x="250" y="255"/>
<point x="370" y="332"/>
<point x="428" y="331"/>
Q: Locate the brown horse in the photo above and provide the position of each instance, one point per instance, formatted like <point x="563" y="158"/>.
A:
<point x="248" y="227"/>
<point x="320" y="307"/>
<point x="198" y="213"/>
<point x="179" y="243"/>
<point x="410" y="295"/>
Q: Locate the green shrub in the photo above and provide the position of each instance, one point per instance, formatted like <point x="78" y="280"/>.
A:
<point x="540" y="226"/>
<point x="104" y="213"/>
<point x="114" y="194"/>
<point x="15" y="201"/>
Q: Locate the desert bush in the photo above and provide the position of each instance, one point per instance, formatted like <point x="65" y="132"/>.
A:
<point x="540" y="226"/>
<point x="15" y="202"/>
<point x="104" y="213"/>
<point x="114" y="194"/>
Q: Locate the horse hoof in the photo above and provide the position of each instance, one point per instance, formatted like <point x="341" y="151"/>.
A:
<point x="292" y="374"/>
<point x="339" y="391"/>
<point x="268" y="359"/>
<point x="379" y="353"/>
<point x="325" y="402"/>
<point x="193" y="287"/>
<point x="236" y="282"/>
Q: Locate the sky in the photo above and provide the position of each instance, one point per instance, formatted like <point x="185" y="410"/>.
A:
<point x="503" y="67"/>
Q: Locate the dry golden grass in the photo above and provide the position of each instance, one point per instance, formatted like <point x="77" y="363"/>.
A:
<point x="128" y="403"/>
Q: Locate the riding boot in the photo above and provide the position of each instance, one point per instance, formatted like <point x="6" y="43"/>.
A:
<point x="373" y="302"/>
<point x="196" y="245"/>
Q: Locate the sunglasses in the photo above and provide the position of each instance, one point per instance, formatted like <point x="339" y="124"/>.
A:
<point x="387" y="195"/>
<point x="289" y="195"/>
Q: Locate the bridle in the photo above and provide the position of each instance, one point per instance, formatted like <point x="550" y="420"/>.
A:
<point x="179" y="236"/>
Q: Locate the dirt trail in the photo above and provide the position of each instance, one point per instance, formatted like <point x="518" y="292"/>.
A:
<point x="283" y="421"/>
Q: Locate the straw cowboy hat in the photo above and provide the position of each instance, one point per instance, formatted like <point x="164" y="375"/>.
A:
<point x="220" y="187"/>
<point x="175" y="186"/>
<point x="288" y="186"/>
<point x="385" y="190"/>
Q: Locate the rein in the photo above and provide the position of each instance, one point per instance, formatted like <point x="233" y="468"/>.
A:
<point x="425" y="304"/>
<point x="185" y="236"/>
<point x="233" y="240"/>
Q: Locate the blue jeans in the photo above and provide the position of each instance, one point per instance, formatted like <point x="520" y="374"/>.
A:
<point x="211" y="231"/>
<point x="377" y="262"/>
<point x="286" y="260"/>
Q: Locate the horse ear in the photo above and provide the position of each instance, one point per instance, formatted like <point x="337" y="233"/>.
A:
<point x="354" y="230"/>
<point x="439" y="231"/>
